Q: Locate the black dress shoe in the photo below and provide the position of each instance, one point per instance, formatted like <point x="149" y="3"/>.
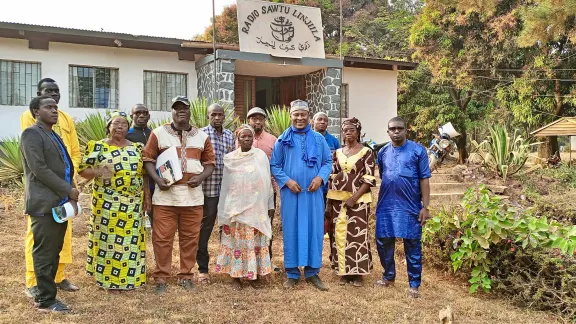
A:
<point x="67" y="286"/>
<point x="315" y="280"/>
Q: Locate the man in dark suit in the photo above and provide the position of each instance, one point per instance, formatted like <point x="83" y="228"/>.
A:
<point x="49" y="176"/>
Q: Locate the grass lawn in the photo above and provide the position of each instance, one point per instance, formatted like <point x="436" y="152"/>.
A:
<point x="218" y="303"/>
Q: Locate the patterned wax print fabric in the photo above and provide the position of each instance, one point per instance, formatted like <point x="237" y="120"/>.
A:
<point x="243" y="252"/>
<point x="350" y="247"/>
<point x="116" y="238"/>
<point x="399" y="200"/>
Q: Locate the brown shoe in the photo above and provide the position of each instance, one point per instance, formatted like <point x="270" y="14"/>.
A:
<point x="384" y="283"/>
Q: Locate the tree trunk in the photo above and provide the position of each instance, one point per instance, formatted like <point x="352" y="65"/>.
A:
<point x="549" y="147"/>
<point x="462" y="150"/>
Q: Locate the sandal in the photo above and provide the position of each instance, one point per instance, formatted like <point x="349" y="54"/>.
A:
<point x="358" y="282"/>
<point x="384" y="283"/>
<point x="204" y="278"/>
<point x="414" y="293"/>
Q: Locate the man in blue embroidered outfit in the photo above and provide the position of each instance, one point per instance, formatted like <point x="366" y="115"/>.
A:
<point x="403" y="202"/>
<point x="301" y="163"/>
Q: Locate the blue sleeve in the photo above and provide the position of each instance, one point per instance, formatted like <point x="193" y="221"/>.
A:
<point x="336" y="143"/>
<point x="277" y="165"/>
<point x="380" y="162"/>
<point x="326" y="166"/>
<point x="423" y="167"/>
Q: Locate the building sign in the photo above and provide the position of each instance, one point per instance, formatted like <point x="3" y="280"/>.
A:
<point x="280" y="29"/>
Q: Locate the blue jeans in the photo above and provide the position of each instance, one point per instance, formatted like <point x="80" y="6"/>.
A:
<point x="294" y="273"/>
<point x="413" y="251"/>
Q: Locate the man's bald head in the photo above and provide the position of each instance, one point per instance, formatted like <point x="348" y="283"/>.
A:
<point x="140" y="115"/>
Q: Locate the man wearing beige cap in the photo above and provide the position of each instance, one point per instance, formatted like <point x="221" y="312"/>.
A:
<point x="301" y="163"/>
<point x="264" y="141"/>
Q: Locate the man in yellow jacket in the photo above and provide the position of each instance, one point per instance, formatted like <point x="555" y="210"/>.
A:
<point x="66" y="130"/>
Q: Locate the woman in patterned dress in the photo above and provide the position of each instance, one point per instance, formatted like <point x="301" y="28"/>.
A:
<point x="116" y="239"/>
<point x="245" y="199"/>
<point x="348" y="206"/>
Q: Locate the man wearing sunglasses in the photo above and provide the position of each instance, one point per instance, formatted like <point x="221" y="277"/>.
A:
<point x="403" y="202"/>
<point x="140" y="133"/>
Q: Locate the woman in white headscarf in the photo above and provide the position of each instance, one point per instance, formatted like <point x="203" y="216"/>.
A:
<point x="245" y="198"/>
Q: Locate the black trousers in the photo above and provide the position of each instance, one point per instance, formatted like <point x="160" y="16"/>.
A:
<point x="48" y="241"/>
<point x="272" y="224"/>
<point x="208" y="220"/>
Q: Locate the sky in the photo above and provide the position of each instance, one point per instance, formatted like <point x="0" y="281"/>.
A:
<point x="164" y="18"/>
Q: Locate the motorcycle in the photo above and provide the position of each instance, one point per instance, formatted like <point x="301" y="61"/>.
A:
<point x="372" y="145"/>
<point x="555" y="161"/>
<point x="442" y="145"/>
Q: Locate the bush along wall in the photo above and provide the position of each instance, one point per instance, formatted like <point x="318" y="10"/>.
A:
<point x="506" y="250"/>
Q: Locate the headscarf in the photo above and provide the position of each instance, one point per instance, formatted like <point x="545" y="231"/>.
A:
<point x="354" y="122"/>
<point x="114" y="114"/>
<point x="243" y="127"/>
<point x="287" y="138"/>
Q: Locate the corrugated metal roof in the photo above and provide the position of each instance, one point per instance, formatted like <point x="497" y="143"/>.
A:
<point x="88" y="32"/>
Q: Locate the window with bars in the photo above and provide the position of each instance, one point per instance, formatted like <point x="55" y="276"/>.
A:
<point x="161" y="87"/>
<point x="18" y="82"/>
<point x="93" y="87"/>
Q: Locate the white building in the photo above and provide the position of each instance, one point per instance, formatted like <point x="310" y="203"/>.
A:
<point x="102" y="70"/>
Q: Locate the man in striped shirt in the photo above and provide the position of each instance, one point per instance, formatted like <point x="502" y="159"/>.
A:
<point x="223" y="143"/>
<point x="180" y="205"/>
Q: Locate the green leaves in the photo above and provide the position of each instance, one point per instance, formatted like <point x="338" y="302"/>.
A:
<point x="278" y="120"/>
<point x="487" y="224"/>
<point x="11" y="167"/>
<point x="502" y="152"/>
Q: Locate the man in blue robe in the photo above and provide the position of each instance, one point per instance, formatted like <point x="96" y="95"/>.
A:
<point x="301" y="163"/>
<point x="403" y="203"/>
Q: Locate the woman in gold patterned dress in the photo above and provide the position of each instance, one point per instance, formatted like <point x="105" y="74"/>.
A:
<point x="348" y="206"/>
<point x="116" y="239"/>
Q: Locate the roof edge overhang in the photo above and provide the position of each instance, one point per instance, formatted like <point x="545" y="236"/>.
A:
<point x="542" y="131"/>
<point x="44" y="34"/>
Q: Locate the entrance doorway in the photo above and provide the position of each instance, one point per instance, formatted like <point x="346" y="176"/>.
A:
<point x="265" y="92"/>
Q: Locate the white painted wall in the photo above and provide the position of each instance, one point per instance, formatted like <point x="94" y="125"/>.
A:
<point x="130" y="62"/>
<point x="372" y="99"/>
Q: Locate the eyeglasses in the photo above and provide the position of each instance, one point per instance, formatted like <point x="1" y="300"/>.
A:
<point x="141" y="113"/>
<point x="394" y="129"/>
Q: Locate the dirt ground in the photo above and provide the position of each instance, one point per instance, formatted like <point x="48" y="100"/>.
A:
<point x="218" y="303"/>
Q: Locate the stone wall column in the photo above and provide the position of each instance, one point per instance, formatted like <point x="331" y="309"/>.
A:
<point x="323" y="89"/>
<point x="225" y="69"/>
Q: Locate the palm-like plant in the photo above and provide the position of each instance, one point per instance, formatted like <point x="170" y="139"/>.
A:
<point x="278" y="120"/>
<point x="159" y="122"/>
<point x="503" y="152"/>
<point x="11" y="167"/>
<point x="199" y="115"/>
<point x="91" y="128"/>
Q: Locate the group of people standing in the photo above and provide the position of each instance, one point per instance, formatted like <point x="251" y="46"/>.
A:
<point x="232" y="177"/>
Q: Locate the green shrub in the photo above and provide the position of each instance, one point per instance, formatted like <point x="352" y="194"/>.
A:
<point x="11" y="168"/>
<point x="493" y="243"/>
<point x="199" y="115"/>
<point x="502" y="152"/>
<point x="91" y="128"/>
<point x="565" y="174"/>
<point x="278" y="120"/>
